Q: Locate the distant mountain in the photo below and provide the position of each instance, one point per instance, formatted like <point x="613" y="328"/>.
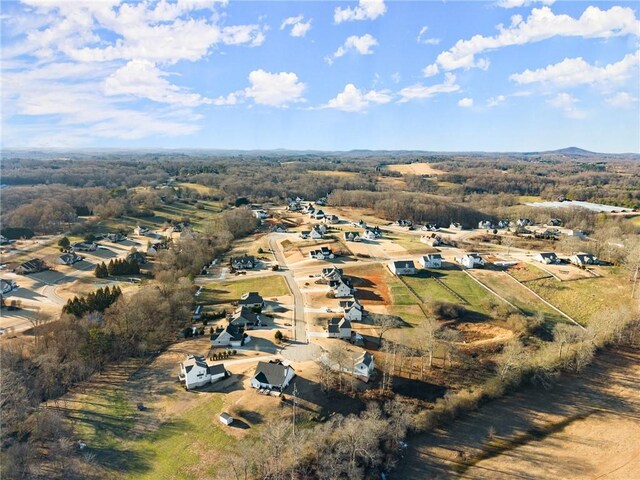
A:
<point x="573" y="151"/>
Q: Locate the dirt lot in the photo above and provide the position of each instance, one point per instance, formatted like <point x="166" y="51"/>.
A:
<point x="415" y="169"/>
<point x="585" y="427"/>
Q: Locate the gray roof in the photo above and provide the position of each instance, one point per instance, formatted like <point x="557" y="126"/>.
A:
<point x="335" y="324"/>
<point x="271" y="373"/>
<point x="433" y="255"/>
<point x="250" y="298"/>
<point x="244" y="314"/>
<point x="216" y="369"/>
<point x="548" y="255"/>
<point x="404" y="264"/>
<point x="234" y="331"/>
<point x="366" y="358"/>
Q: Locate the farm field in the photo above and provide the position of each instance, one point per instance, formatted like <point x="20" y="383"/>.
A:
<point x="410" y="243"/>
<point x="227" y="291"/>
<point x="420" y="168"/>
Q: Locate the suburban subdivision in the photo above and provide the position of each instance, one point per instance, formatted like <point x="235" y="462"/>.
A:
<point x="169" y="330"/>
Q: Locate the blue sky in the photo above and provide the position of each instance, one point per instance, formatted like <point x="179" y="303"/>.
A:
<point x="505" y="75"/>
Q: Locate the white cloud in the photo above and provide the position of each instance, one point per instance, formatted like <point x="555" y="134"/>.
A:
<point x="567" y="103"/>
<point x="141" y="78"/>
<point x="299" y="27"/>
<point x="396" y="77"/>
<point x="576" y="71"/>
<point x="419" y="91"/>
<point x="541" y="24"/>
<point x="622" y="100"/>
<point x="366" y="10"/>
<point x="431" y="70"/>
<point x="427" y="41"/>
<point x="521" y="3"/>
<point x="495" y="101"/>
<point x="353" y="99"/>
<point x="465" y="102"/>
<point x="362" y="45"/>
<point x="160" y="32"/>
<point x="275" y="89"/>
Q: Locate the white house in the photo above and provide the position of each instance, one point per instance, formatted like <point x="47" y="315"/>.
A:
<point x="486" y="225"/>
<point x="7" y="286"/>
<point x="244" y="317"/>
<point x="403" y="267"/>
<point x="140" y="230"/>
<point x="69" y="258"/>
<point x="364" y="366"/>
<point x="455" y="226"/>
<point x="273" y="375"/>
<point x="341" y="288"/>
<point x="339" y="327"/>
<point x="361" y="365"/>
<point x="432" y="239"/>
<point x="431" y="227"/>
<point x="369" y="234"/>
<point x="582" y="259"/>
<point x="260" y="214"/>
<point x="316" y="234"/>
<point x="471" y="260"/>
<point x="244" y="262"/>
<point x="251" y="300"/>
<point x="353" y="310"/>
<point x="231" y="336"/>
<point x="331" y="273"/>
<point x="84" y="246"/>
<point x="195" y="372"/>
<point x="352" y="236"/>
<point x="431" y="260"/>
<point x="323" y="253"/>
<point x="331" y="219"/>
<point x="317" y="214"/>
<point x="546" y="258"/>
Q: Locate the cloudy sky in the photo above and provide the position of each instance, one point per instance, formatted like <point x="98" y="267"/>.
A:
<point x="503" y="75"/>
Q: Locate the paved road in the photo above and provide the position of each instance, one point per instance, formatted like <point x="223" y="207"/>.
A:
<point x="299" y="324"/>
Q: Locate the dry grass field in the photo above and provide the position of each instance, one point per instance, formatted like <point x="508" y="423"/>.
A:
<point x="415" y="169"/>
<point x="585" y="427"/>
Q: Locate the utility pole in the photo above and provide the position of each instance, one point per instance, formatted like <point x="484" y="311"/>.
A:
<point x="635" y="282"/>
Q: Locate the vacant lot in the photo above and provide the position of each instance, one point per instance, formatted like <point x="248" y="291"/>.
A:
<point x="582" y="299"/>
<point x="585" y="427"/>
<point x="415" y="169"/>
<point x="223" y="292"/>
<point x="511" y="290"/>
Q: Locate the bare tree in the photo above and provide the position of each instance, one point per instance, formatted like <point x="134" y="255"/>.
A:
<point x="385" y="323"/>
<point x="449" y="340"/>
<point x="512" y="358"/>
<point x="427" y="339"/>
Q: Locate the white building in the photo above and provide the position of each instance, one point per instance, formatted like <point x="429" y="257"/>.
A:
<point x="431" y="260"/>
<point x="339" y="328"/>
<point x="582" y="259"/>
<point x="471" y="260"/>
<point x="546" y="257"/>
<point x="195" y="372"/>
<point x="231" y="336"/>
<point x="273" y="375"/>
<point x="341" y="288"/>
<point x="353" y="310"/>
<point x="403" y="267"/>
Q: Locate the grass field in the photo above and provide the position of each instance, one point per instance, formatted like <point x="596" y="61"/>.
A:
<point x="175" y="212"/>
<point x="411" y="243"/>
<point x="196" y="187"/>
<point x="583" y="299"/>
<point x="223" y="292"/>
<point x="529" y="198"/>
<point x="106" y="421"/>
<point x="332" y="173"/>
<point x="526" y="272"/>
<point x="518" y="295"/>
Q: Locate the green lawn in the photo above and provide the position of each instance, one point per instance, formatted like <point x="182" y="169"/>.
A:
<point x="223" y="292"/>
<point x="582" y="299"/>
<point x="106" y="421"/>
<point x="411" y="243"/>
<point x="412" y="314"/>
<point x="400" y="294"/>
<point x="528" y="272"/>
<point x="518" y="295"/>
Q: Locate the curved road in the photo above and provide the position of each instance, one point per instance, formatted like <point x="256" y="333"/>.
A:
<point x="299" y="324"/>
